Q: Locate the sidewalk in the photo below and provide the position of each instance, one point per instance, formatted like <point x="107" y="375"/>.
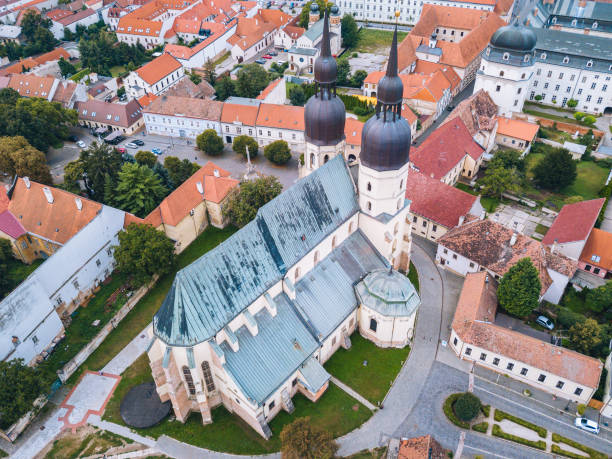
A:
<point x="353" y="394"/>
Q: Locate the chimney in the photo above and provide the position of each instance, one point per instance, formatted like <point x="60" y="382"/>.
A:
<point x="433" y="40"/>
<point x="553" y="249"/>
<point x="461" y="220"/>
<point x="483" y="214"/>
<point x="200" y="187"/>
<point x="48" y="195"/>
<point x="216" y="173"/>
<point x="26" y="180"/>
<point x="79" y="203"/>
<point x="513" y="239"/>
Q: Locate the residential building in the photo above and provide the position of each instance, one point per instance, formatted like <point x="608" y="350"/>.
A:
<point x="352" y="134"/>
<point x="255" y="34"/>
<point x="275" y="92"/>
<point x="450" y="36"/>
<point x="186" y="212"/>
<point x="596" y="257"/>
<point x="123" y="118"/>
<point x="572" y="227"/>
<point x="182" y="116"/>
<point x="582" y="17"/>
<point x="35" y="63"/>
<point x="516" y="134"/>
<point x="287" y="37"/>
<point x="187" y="88"/>
<point x="155" y="77"/>
<point x="10" y="33"/>
<point x="484" y="245"/>
<point x="436" y="207"/>
<point x="62" y="18"/>
<point x="212" y="44"/>
<point x="29" y="85"/>
<point x="575" y="149"/>
<point x="281" y="122"/>
<point x="238" y="117"/>
<point x="448" y="153"/>
<point x="272" y="303"/>
<point x="477" y="338"/>
<point x="425" y="447"/>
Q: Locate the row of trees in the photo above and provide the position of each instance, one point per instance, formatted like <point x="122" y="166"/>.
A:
<point x="37" y="38"/>
<point x="251" y="80"/>
<point x="100" y="51"/>
<point x="211" y="143"/>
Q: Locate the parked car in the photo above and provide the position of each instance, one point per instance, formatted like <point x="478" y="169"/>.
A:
<point x="117" y="140"/>
<point x="121" y="150"/>
<point x="73" y="138"/>
<point x="157" y="151"/>
<point x="131" y="145"/>
<point x="450" y="108"/>
<point x="273" y="53"/>
<point x="81" y="144"/>
<point x="267" y="56"/>
<point x="545" y="322"/>
<point x="587" y="425"/>
<point x="260" y="61"/>
<point x="138" y="142"/>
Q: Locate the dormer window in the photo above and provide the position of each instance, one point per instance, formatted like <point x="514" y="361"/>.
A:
<point x="595" y="258"/>
<point x="488" y="51"/>
<point x="506" y="56"/>
<point x="595" y="24"/>
<point x="566" y="60"/>
<point x="526" y="59"/>
<point x="543" y="56"/>
<point x="590" y="64"/>
<point x="93" y="113"/>
<point x="109" y="116"/>
<point x="554" y="20"/>
<point x="574" y="22"/>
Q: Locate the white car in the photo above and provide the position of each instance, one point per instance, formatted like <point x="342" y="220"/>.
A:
<point x="587" y="425"/>
<point x="81" y="144"/>
<point x="131" y="145"/>
<point x="545" y="322"/>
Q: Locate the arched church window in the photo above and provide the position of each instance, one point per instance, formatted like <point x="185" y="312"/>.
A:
<point x="373" y="325"/>
<point x="506" y="56"/>
<point x="396" y="228"/>
<point x="208" y="379"/>
<point x="312" y="160"/>
<point x="501" y="73"/>
<point x="401" y="184"/>
<point x="523" y="76"/>
<point x="325" y="159"/>
<point x="188" y="380"/>
<point x="369" y="186"/>
<point x="399" y="204"/>
<point x="352" y="158"/>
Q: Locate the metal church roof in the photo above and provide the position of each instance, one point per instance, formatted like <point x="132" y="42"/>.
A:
<point x="206" y="295"/>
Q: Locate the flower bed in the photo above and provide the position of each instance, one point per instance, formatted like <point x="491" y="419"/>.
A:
<point x="557" y="449"/>
<point x="450" y="413"/>
<point x="498" y="432"/>
<point x="481" y="427"/>
<point x="500" y="415"/>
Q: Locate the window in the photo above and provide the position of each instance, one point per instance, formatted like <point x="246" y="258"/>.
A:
<point x="296" y="273"/>
<point x="587" y="267"/>
<point x="414" y="220"/>
<point x="424" y="224"/>
<point x="578" y="391"/>
<point x="543" y="56"/>
<point x="505" y="57"/>
<point x="455" y="341"/>
<point x="271" y="405"/>
<point x="454" y="256"/>
<point x="541" y="378"/>
<point x="334" y="242"/>
<point x="496" y="361"/>
<point x="445" y="250"/>
<point x="483" y="356"/>
<point x="549" y="73"/>
<point x="572" y="77"/>
<point x="189" y="380"/>
<point x="593" y="85"/>
<point x="208" y="379"/>
<point x="468" y="351"/>
<point x="590" y="64"/>
<point x="560" y="384"/>
<point x="596" y="271"/>
<point x="523" y="371"/>
<point x="369" y="186"/>
<point x="557" y="87"/>
<point x="34" y="339"/>
<point x="471" y="264"/>
<point x="568" y="89"/>
<point x="98" y="263"/>
<point x="588" y="99"/>
<point x="373" y="325"/>
<point x="434" y="228"/>
<point x="545" y="85"/>
<point x="75" y="283"/>
<point x="369" y="205"/>
<point x="497" y="88"/>
<point x="294" y="382"/>
<point x="510" y="366"/>
<point x="518" y="91"/>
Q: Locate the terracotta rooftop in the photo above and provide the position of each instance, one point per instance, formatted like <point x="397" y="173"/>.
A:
<point x="294" y="32"/>
<point x="488" y="244"/>
<point x="250" y="31"/>
<point x="478" y="112"/>
<point x="518" y="129"/>
<point x="115" y="114"/>
<point x="244" y="114"/>
<point x="425" y="447"/>
<point x="185" y="106"/>
<point x="437" y="201"/>
<point x="574" y="222"/>
<point x="268" y="89"/>
<point x="444" y="149"/>
<point x="67" y="17"/>
<point x="428" y="87"/>
<point x="17" y="67"/>
<point x="281" y="117"/>
<point x="146" y="100"/>
<point x="215" y="184"/>
<point x="187" y="88"/>
<point x="57" y="221"/>
<point x="428" y="68"/>
<point x="64" y="92"/>
<point x="30" y="85"/>
<point x="502" y="7"/>
<point x="184" y="52"/>
<point x="158" y="68"/>
<point x="474" y="323"/>
<point x="352" y="131"/>
<point x="53" y="55"/>
<point x="598" y="249"/>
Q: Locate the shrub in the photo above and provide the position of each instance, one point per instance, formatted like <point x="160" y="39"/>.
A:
<point x="467" y="406"/>
<point x="591" y="452"/>
<point x="450" y="414"/>
<point x="277" y="152"/>
<point x="572" y="103"/>
<point x="354" y="55"/>
<point x="481" y="427"/>
<point x="498" y="432"/>
<point x="538" y="97"/>
<point x="500" y="415"/>
<point x="579" y="115"/>
<point x="590" y="120"/>
<point x="210" y="143"/>
<point x="581" y="409"/>
<point x="242" y="142"/>
<point x="486" y="410"/>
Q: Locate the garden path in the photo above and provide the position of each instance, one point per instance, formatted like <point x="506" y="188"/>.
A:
<point x="361" y="399"/>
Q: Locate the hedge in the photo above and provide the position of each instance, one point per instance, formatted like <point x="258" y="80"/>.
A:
<point x="450" y="414"/>
<point x="486" y="410"/>
<point x="499" y="415"/>
<point x="481" y="427"/>
<point x="80" y="74"/>
<point x="498" y="432"/>
<point x="591" y="452"/>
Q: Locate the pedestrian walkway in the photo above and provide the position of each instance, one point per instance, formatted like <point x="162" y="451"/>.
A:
<point x="95" y="420"/>
<point x="175" y="448"/>
<point x="129" y="353"/>
<point x="353" y="394"/>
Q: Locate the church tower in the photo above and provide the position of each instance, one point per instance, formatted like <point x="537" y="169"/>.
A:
<point x="506" y="68"/>
<point x="324" y="113"/>
<point x="383" y="170"/>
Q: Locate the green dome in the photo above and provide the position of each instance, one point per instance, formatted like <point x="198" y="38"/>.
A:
<point x="388" y="292"/>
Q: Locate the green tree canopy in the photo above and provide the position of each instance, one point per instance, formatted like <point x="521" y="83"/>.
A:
<point x="467" y="406"/>
<point x="209" y="72"/>
<point x="143" y="252"/>
<point x="18" y="157"/>
<point x="195" y="78"/>
<point x="297" y="96"/>
<point x="6" y="257"/>
<point x="600" y="299"/>
<point x="243" y="204"/>
<point x="252" y="79"/>
<point x="224" y="88"/>
<point x="66" y="68"/>
<point x="242" y="142"/>
<point x="20" y="385"/>
<point x="100" y="51"/>
<point x="358" y="78"/>
<point x="344" y="71"/>
<point x="497" y="180"/>
<point x="556" y="170"/>
<point x="146" y="158"/>
<point x="210" y="143"/>
<point x="508" y="159"/>
<point x="584" y="336"/>
<point x="519" y="289"/>
<point x="138" y="190"/>
<point x="98" y="161"/>
<point x="350" y="31"/>
<point x="301" y="439"/>
<point x="277" y="152"/>
<point x="178" y="170"/>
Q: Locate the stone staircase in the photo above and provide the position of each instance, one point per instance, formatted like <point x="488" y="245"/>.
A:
<point x="287" y="402"/>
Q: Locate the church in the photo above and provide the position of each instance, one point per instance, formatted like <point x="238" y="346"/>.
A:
<point x="251" y="323"/>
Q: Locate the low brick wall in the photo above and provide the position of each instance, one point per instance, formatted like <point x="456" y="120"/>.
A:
<point x="567" y="127"/>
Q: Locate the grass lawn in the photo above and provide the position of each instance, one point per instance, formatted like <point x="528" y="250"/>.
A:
<point x="569" y="119"/>
<point x="413" y="276"/>
<point x="374" y="380"/>
<point x="489" y="204"/>
<point x="139" y="317"/>
<point x="374" y="40"/>
<point x="117" y="70"/>
<point x="222" y="58"/>
<point x="541" y="229"/>
<point x="557" y="136"/>
<point x="78" y="445"/>
<point x="18" y="271"/>
<point x="228" y="433"/>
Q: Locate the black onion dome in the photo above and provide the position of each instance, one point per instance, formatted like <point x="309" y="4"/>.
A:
<point x="324" y="117"/>
<point x="314" y="7"/>
<point x="514" y="37"/>
<point x="385" y="145"/>
<point x="390" y="87"/>
<point x="335" y="10"/>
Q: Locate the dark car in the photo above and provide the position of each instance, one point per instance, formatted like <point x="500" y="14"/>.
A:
<point x="273" y="53"/>
<point x="116" y="140"/>
<point x="138" y="142"/>
<point x="260" y="61"/>
<point x="450" y="108"/>
<point x="73" y="138"/>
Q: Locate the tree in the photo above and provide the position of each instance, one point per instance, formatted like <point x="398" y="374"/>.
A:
<point x="20" y="385"/>
<point x="143" y="252"/>
<point x="358" y="78"/>
<point x="302" y="440"/>
<point x="579" y="115"/>
<point x="277" y="152"/>
<point x="73" y="172"/>
<point x="97" y="161"/>
<point x="350" y="31"/>
<point x="18" y="157"/>
<point x="556" y="170"/>
<point x="66" y="68"/>
<point x="572" y="103"/>
<point x="6" y="256"/>
<point x="600" y="299"/>
<point x="195" y="78"/>
<point x="497" y="180"/>
<point x="508" y="159"/>
<point x="584" y="336"/>
<point x="146" y="158"/>
<point x="242" y="142"/>
<point x="210" y="143"/>
<point x="538" y="97"/>
<point x="224" y="88"/>
<point x="252" y="79"/>
<point x="297" y="96"/>
<point x="178" y="170"/>
<point x="243" y="204"/>
<point x="121" y="92"/>
<point x="138" y="190"/>
<point x="589" y="119"/>
<point x="344" y="70"/>
<point x="467" y="406"/>
<point x="519" y="289"/>
<point x="209" y="72"/>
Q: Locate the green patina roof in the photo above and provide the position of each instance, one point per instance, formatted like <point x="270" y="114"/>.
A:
<point x="388" y="292"/>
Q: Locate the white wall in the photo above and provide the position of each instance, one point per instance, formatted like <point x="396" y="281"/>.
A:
<point x="556" y="289"/>
<point x="178" y="126"/>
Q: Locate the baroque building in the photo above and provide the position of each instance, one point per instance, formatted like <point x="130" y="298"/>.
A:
<point x="251" y="323"/>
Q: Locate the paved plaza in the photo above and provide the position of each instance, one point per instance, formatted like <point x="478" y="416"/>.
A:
<point x="520" y="220"/>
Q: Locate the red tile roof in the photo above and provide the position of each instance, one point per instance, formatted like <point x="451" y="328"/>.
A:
<point x="10" y="226"/>
<point x="574" y="222"/>
<point x="425" y="447"/>
<point x="352" y="131"/>
<point x="268" y="89"/>
<point x="478" y="112"/>
<point x="30" y="85"/>
<point x="437" y="201"/>
<point x="245" y="114"/>
<point x="518" y="129"/>
<point x="598" y="249"/>
<point x="146" y="99"/>
<point x="158" y="68"/>
<point x="281" y="117"/>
